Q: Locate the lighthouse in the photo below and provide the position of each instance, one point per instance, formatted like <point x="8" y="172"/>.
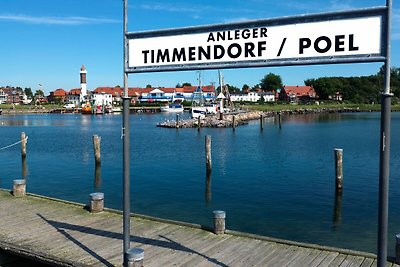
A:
<point x="83" y="84"/>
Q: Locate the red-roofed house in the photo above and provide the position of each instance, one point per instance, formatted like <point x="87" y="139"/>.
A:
<point x="73" y="96"/>
<point x="297" y="93"/>
<point x="57" y="96"/>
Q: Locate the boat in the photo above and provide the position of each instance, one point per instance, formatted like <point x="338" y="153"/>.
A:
<point x="174" y="107"/>
<point x="86" y="108"/>
<point x="199" y="106"/>
<point x="116" y="110"/>
<point x="99" y="110"/>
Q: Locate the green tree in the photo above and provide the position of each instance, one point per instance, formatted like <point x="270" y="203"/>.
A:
<point x="245" y="87"/>
<point x="178" y="85"/>
<point x="271" y="82"/>
<point x="186" y="84"/>
<point x="148" y="86"/>
<point x="28" y="92"/>
<point x="39" y="93"/>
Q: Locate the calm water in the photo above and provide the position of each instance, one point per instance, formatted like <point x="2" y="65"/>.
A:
<point x="278" y="182"/>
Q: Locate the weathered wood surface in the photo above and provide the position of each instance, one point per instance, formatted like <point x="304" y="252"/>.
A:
<point x="66" y="234"/>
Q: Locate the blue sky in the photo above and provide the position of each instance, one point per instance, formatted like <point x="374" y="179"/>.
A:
<point x="46" y="41"/>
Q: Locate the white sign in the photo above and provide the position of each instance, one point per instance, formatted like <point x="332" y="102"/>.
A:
<point x="347" y="37"/>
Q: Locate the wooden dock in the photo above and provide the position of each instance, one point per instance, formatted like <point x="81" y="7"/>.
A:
<point x="65" y="234"/>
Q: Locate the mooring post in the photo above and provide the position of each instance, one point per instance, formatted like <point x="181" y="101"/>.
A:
<point x="96" y="146"/>
<point x="23" y="145"/>
<point x="198" y="123"/>
<point x="208" y="154"/>
<point x="19" y="187"/>
<point x="24" y="171"/>
<point x="135" y="257"/>
<point x="339" y="169"/>
<point x="233" y="122"/>
<point x="96" y="202"/>
<point x="397" y="260"/>
<point x="261" y="122"/>
<point x="280" y="120"/>
<point x="219" y="221"/>
<point x="177" y="121"/>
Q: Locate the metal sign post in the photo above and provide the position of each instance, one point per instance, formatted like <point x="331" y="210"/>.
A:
<point x="384" y="163"/>
<point x="126" y="146"/>
<point x="325" y="38"/>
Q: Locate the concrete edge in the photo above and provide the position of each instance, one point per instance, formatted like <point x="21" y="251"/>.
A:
<point x="206" y="228"/>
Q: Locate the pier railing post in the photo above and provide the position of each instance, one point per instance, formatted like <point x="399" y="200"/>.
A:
<point x="96" y="146"/>
<point x="96" y="202"/>
<point x="339" y="169"/>
<point x="135" y="257"/>
<point x="208" y="154"/>
<point x="219" y="221"/>
<point x="23" y="144"/>
<point x="19" y="187"/>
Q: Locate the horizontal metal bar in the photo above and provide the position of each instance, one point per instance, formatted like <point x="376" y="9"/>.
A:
<point x="354" y="13"/>
<point x="260" y="63"/>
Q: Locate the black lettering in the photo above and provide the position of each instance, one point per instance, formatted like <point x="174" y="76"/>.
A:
<point x="351" y="43"/>
<point x="237" y="34"/>
<point x="221" y="53"/>
<point x="220" y="36"/>
<point x="255" y="33"/>
<point x="178" y="55"/>
<point x="246" y="34"/>
<point x="229" y="36"/>
<point x="211" y="37"/>
<point x="304" y="43"/>
<point x="145" y="53"/>
<point x="192" y="53"/>
<point x="238" y="52"/>
<point x="203" y="52"/>
<point x="263" y="33"/>
<point x="327" y="47"/>
<point x="152" y="56"/>
<point x="163" y="56"/>
<point x="339" y="43"/>
<point x="262" y="46"/>
<point x="248" y="49"/>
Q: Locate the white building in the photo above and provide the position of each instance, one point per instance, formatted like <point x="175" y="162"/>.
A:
<point x="102" y="99"/>
<point x="253" y="97"/>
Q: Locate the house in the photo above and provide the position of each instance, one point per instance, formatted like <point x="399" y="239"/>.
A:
<point x="73" y="97"/>
<point x="3" y="96"/>
<point x="57" y="96"/>
<point x="294" y="94"/>
<point x="253" y="97"/>
<point x="11" y="95"/>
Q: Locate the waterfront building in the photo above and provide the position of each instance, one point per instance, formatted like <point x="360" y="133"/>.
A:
<point x="57" y="96"/>
<point x="253" y="97"/>
<point x="294" y="94"/>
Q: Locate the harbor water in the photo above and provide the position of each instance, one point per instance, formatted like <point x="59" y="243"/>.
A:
<point x="275" y="182"/>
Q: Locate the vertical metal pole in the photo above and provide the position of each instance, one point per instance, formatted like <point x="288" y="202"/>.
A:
<point x="384" y="163"/>
<point x="126" y="145"/>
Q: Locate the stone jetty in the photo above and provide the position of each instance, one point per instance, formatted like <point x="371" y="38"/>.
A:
<point x="242" y="117"/>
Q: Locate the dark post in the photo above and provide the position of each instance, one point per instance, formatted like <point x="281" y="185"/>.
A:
<point x="384" y="162"/>
<point x="337" y="210"/>
<point x="208" y="154"/>
<point x="198" y="123"/>
<point x="96" y="146"/>
<point x="339" y="169"/>
<point x="23" y="144"/>
<point x="126" y="145"/>
<point x="177" y="121"/>
<point x="233" y="122"/>
<point x="97" y="177"/>
<point x="280" y="120"/>
<point x="24" y="171"/>
<point x="261" y="122"/>
<point x="208" y="187"/>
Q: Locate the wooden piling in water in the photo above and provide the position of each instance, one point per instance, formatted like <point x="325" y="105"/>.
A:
<point x="23" y="145"/>
<point x="177" y="121"/>
<point x="208" y="154"/>
<point x="233" y="122"/>
<point x="96" y="146"/>
<point x="280" y="120"/>
<point x="261" y="122"/>
<point x="198" y="124"/>
<point x="339" y="169"/>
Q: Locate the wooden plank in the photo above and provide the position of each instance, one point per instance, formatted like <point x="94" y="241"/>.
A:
<point x="337" y="260"/>
<point x="367" y="262"/>
<point x="307" y="254"/>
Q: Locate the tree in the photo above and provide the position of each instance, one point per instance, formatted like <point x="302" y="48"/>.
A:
<point x="178" y="85"/>
<point x="186" y="84"/>
<point x="28" y="92"/>
<point x="245" y="88"/>
<point x="39" y="93"/>
<point x="271" y="82"/>
<point x="148" y="86"/>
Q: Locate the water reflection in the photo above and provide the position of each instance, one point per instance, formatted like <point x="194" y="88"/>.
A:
<point x="337" y="210"/>
<point x="208" y="188"/>
<point x="24" y="168"/>
<point x="97" y="178"/>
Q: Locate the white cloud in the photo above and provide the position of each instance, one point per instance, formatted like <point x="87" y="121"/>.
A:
<point x="56" y="20"/>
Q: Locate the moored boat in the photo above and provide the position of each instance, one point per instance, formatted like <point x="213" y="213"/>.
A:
<point x="172" y="108"/>
<point x="86" y="108"/>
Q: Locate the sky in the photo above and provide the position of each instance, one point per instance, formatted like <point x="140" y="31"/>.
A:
<point x="44" y="43"/>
